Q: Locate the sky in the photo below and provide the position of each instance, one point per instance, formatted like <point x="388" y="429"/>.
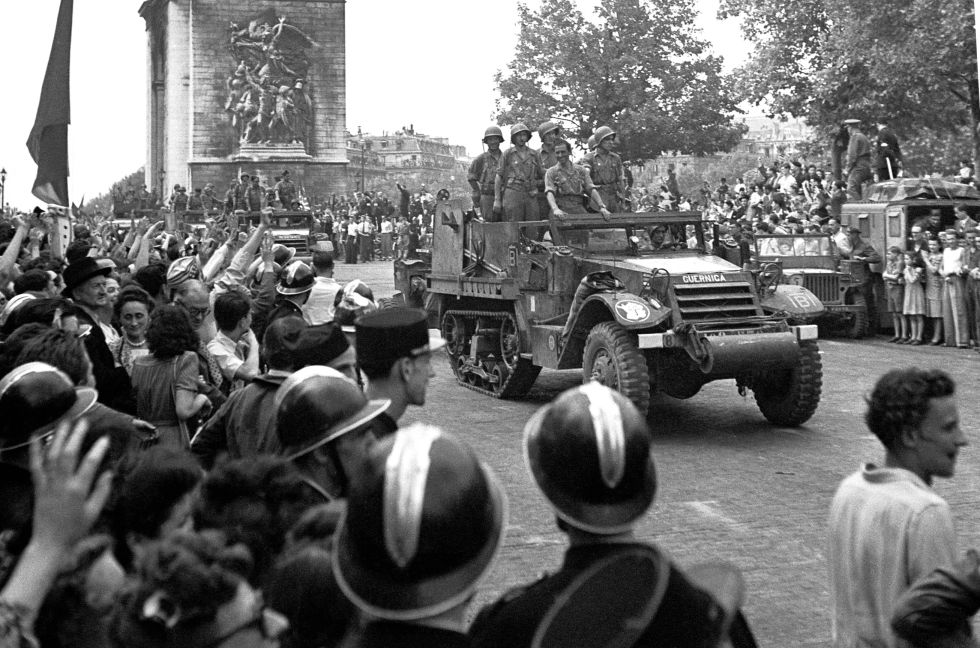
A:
<point x="429" y="63"/>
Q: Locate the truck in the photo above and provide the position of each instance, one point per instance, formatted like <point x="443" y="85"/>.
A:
<point x="889" y="209"/>
<point x="813" y="261"/>
<point x="637" y="302"/>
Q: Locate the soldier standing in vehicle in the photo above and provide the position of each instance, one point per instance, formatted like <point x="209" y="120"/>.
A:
<point x="549" y="133"/>
<point x="516" y="186"/>
<point x="858" y="159"/>
<point x="607" y="169"/>
<point x="566" y="185"/>
<point x="483" y="173"/>
<point x="889" y="155"/>
<point x="285" y="191"/>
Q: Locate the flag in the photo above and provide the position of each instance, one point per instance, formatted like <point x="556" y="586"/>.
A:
<point x="48" y="141"/>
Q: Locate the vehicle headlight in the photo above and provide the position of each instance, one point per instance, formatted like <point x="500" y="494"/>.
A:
<point x="795" y="279"/>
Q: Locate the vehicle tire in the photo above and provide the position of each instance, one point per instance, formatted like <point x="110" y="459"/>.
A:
<point x="789" y="398"/>
<point x="612" y="358"/>
<point x="857" y="328"/>
<point x="395" y="301"/>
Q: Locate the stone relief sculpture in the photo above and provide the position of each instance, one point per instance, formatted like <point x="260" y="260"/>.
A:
<point x="267" y="97"/>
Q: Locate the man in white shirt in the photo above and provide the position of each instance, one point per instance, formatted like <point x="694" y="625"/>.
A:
<point x="887" y="526"/>
<point x="786" y="183"/>
<point x="319" y="308"/>
<point x="235" y="348"/>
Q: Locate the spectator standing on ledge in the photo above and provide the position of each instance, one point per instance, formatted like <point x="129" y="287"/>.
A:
<point x="858" y="159"/>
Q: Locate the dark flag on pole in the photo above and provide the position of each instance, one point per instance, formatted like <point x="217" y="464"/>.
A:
<point x="48" y="142"/>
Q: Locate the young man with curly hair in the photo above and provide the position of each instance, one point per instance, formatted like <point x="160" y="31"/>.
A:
<point x="887" y="526"/>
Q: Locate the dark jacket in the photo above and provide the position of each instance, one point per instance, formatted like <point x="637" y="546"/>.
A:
<point x="936" y="610"/>
<point x="245" y="426"/>
<point x="112" y="382"/>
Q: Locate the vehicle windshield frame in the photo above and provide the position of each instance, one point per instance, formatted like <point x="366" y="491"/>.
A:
<point x="640" y="225"/>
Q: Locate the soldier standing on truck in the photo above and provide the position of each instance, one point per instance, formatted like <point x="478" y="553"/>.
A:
<point x="516" y="186"/>
<point x="285" y="191"/>
<point x="549" y="133"/>
<point x="858" y="159"/>
<point x="607" y="170"/>
<point x="861" y="250"/>
<point x="483" y="173"/>
<point x="566" y="185"/>
<point x="889" y="155"/>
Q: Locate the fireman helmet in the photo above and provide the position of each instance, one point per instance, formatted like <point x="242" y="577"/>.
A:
<point x="602" y="133"/>
<point x="424" y="522"/>
<point x="546" y="128"/>
<point x="493" y="131"/>
<point x="296" y="279"/>
<point x="589" y="453"/>
<point x="519" y="128"/>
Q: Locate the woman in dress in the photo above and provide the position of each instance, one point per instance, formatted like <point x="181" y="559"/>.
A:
<point x="914" y="305"/>
<point x="133" y="308"/>
<point x="934" y="290"/>
<point x="166" y="380"/>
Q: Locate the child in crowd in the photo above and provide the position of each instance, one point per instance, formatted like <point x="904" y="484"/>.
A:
<point x="914" y="304"/>
<point x="934" y="290"/>
<point x="895" y="291"/>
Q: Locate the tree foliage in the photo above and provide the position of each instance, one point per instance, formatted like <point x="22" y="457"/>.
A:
<point x="911" y="61"/>
<point x="637" y="66"/>
<point x="103" y="202"/>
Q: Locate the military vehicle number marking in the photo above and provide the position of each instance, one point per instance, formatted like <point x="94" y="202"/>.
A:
<point x="703" y="278"/>
<point x="632" y="311"/>
<point x="802" y="300"/>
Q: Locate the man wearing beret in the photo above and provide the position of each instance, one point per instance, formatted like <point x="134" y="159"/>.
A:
<point x="394" y="350"/>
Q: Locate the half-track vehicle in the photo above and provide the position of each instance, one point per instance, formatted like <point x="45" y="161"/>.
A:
<point x="812" y="261"/>
<point x="634" y="301"/>
<point x="293" y="229"/>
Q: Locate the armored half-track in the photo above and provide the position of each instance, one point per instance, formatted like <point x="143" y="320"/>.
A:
<point x="637" y="302"/>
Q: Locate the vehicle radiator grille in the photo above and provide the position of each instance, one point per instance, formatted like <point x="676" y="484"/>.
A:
<point x="825" y="286"/>
<point x="714" y="301"/>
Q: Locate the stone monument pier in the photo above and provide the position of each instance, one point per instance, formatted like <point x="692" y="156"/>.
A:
<point x="246" y="86"/>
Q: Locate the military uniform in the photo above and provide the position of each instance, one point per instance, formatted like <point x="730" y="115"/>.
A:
<point x="548" y="160"/>
<point x="569" y="185"/>
<point x="483" y="171"/>
<point x="687" y="616"/>
<point x="518" y="173"/>
<point x="606" y="169"/>
<point x="859" y="163"/>
<point x="285" y="192"/>
<point x="888" y="154"/>
<point x="254" y="199"/>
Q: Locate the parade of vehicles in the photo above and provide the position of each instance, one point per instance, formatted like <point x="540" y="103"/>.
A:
<point x="812" y="261"/>
<point x="638" y="302"/>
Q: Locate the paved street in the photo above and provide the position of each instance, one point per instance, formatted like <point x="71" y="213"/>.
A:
<point x="732" y="487"/>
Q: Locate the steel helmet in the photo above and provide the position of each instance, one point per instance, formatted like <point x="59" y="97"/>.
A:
<point x="602" y="133"/>
<point x="183" y="270"/>
<point x="589" y="453"/>
<point x="424" y="521"/>
<point x="493" y="131"/>
<point x="317" y="405"/>
<point x="546" y="128"/>
<point x="591" y="143"/>
<point x="519" y="128"/>
<point x="296" y="279"/>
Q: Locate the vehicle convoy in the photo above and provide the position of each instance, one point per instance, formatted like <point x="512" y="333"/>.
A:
<point x="889" y="209"/>
<point x="637" y="302"/>
<point x="812" y="261"/>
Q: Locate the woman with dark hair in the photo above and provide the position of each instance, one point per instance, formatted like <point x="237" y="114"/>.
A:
<point x="153" y="495"/>
<point x="165" y="381"/>
<point x="132" y="314"/>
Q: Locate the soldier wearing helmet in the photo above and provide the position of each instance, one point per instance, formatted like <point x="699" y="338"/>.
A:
<point x="590" y="454"/>
<point x="516" y="185"/>
<point x="549" y="133"/>
<point x="566" y="184"/>
<point x="607" y="170"/>
<point x="424" y="523"/>
<point x="483" y="172"/>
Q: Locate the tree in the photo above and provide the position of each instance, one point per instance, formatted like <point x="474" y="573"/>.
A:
<point x="129" y="183"/>
<point x="911" y="61"/>
<point x="638" y="67"/>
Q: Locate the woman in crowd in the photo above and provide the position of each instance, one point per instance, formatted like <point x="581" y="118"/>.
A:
<point x="132" y="309"/>
<point x="166" y="380"/>
<point x="934" y="290"/>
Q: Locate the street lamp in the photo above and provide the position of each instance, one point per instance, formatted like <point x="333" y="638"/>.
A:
<point x="360" y="139"/>
<point x="3" y="191"/>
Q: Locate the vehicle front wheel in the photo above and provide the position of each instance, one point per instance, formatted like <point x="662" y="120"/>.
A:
<point x="612" y="358"/>
<point x="789" y="398"/>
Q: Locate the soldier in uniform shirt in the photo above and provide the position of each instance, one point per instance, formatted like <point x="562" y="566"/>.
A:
<point x="285" y="191"/>
<point x="209" y="201"/>
<point x="516" y="186"/>
<point x="255" y="196"/>
<point x="549" y="133"/>
<point x="566" y="184"/>
<point x="607" y="169"/>
<point x="483" y="172"/>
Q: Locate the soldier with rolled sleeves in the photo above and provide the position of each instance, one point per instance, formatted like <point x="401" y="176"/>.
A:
<point x="516" y="186"/>
<point x="394" y="350"/>
<point x="858" y="159"/>
<point x="606" y="168"/>
<point x="424" y="522"/>
<point x="285" y="191"/>
<point x="549" y="133"/>
<point x="566" y="184"/>
<point x="483" y="172"/>
<point x="590" y="454"/>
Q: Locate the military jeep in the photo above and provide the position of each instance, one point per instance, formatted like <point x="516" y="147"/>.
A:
<point x="634" y="302"/>
<point x="811" y="261"/>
